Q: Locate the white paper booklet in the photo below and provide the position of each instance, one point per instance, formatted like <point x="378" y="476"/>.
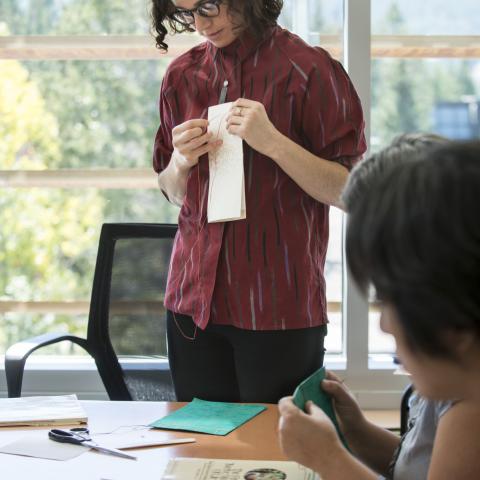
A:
<point x="226" y="191"/>
<point x="57" y="410"/>
<point x="210" y="469"/>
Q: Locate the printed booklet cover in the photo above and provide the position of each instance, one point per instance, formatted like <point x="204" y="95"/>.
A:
<point x="214" y="469"/>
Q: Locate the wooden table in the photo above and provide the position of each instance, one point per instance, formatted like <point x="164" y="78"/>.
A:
<point x="254" y="440"/>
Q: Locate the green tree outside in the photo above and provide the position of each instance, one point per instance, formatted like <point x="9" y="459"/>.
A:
<point x="70" y="114"/>
<point x="47" y="237"/>
<point x="404" y="92"/>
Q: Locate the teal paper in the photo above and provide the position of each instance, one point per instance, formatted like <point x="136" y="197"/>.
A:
<point x="310" y="389"/>
<point x="216" y="418"/>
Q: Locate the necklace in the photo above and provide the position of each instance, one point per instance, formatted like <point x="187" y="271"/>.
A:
<point x="224" y="91"/>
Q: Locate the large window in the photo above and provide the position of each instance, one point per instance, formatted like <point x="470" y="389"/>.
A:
<point x="79" y="82"/>
<point x="425" y="78"/>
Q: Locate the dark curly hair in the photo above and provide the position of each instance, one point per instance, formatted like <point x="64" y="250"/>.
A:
<point x="256" y="15"/>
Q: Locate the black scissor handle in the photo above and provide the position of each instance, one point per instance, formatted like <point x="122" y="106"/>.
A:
<point x="64" y="436"/>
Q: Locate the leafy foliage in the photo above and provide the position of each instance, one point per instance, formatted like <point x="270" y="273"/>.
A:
<point x="61" y="115"/>
<point x="404" y="92"/>
<point x="47" y="236"/>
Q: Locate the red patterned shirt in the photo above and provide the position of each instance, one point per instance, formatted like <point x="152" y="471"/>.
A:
<point x="264" y="272"/>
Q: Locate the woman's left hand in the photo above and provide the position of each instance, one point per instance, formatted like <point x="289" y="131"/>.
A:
<point x="249" y="121"/>
<point x="308" y="438"/>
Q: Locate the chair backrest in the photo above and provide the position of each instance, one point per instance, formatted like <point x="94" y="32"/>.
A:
<point x="126" y="328"/>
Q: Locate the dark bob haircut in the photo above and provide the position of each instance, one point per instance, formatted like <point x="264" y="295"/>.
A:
<point x="256" y="16"/>
<point x="416" y="238"/>
<point x="368" y="172"/>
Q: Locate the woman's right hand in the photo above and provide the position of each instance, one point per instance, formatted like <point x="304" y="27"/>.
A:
<point x="348" y="410"/>
<point x="191" y="140"/>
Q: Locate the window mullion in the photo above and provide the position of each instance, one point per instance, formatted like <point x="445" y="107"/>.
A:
<point x="300" y="19"/>
<point x="357" y="46"/>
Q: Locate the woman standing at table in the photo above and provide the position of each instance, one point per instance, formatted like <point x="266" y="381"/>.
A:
<point x="246" y="307"/>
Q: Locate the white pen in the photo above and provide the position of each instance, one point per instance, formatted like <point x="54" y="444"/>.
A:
<point x="151" y="442"/>
<point x="172" y="441"/>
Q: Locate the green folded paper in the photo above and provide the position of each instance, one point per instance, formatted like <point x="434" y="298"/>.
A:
<point x="216" y="418"/>
<point x="310" y="389"/>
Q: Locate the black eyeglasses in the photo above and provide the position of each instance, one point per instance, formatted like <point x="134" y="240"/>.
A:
<point x="205" y="9"/>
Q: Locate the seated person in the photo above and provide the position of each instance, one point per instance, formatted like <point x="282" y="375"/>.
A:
<point x="416" y="237"/>
<point x="424" y="414"/>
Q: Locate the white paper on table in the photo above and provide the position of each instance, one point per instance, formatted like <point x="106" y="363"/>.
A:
<point x="43" y="447"/>
<point x="226" y="191"/>
<point x="138" y="439"/>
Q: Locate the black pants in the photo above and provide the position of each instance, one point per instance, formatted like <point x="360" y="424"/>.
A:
<point x="229" y="364"/>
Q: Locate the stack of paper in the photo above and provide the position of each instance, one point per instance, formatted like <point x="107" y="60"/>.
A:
<point x="57" y="410"/>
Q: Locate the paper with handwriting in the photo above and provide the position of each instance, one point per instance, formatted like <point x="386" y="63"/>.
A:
<point x="226" y="192"/>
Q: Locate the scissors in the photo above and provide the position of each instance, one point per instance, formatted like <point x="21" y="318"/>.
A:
<point x="81" y="436"/>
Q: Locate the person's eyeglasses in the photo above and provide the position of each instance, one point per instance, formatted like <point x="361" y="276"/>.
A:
<point x="205" y="9"/>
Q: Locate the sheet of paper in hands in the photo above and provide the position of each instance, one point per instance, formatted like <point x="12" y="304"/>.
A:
<point x="310" y="389"/>
<point x="209" y="469"/>
<point x="226" y="191"/>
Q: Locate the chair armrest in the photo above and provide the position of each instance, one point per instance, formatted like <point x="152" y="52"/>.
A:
<point x="17" y="354"/>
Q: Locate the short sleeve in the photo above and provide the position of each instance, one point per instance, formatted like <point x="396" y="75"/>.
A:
<point x="442" y="407"/>
<point x="163" y="147"/>
<point x="333" y="124"/>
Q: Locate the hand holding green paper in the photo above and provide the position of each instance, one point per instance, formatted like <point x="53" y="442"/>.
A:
<point x="310" y="389"/>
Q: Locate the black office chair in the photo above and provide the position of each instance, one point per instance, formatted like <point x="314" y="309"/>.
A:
<point x="126" y="324"/>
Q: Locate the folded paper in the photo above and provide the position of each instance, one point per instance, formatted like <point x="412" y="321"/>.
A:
<point x="226" y="190"/>
<point x="310" y="389"/>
